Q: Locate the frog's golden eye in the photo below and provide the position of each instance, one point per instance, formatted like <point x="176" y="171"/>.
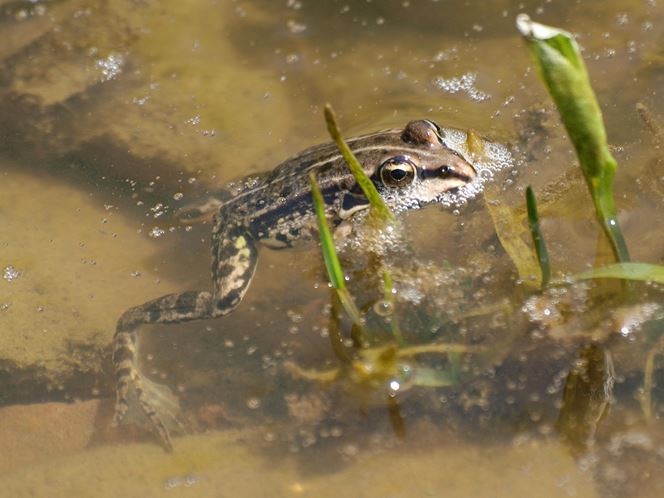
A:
<point x="397" y="172"/>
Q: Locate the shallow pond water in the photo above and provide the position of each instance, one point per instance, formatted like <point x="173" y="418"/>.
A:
<point x="114" y="115"/>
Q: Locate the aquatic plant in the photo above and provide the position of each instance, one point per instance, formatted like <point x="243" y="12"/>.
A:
<point x="378" y="210"/>
<point x="557" y="57"/>
<point x="561" y="66"/>
<point x="538" y="239"/>
<point x="627" y="271"/>
<point x="392" y="365"/>
<point x="559" y="62"/>
<point x="334" y="271"/>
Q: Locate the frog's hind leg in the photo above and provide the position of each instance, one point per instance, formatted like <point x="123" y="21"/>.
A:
<point x="233" y="268"/>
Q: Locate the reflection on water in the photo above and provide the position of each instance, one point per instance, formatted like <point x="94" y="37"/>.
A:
<point x="113" y="116"/>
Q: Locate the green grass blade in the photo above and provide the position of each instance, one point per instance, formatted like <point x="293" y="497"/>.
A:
<point x="560" y="64"/>
<point x="625" y="271"/>
<point x="379" y="209"/>
<point x="538" y="239"/>
<point x="334" y="271"/>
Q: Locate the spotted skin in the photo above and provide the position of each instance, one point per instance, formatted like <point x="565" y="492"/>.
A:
<point x="275" y="210"/>
<point x="234" y="262"/>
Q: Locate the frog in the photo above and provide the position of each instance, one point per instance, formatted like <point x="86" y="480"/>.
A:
<point x="411" y="167"/>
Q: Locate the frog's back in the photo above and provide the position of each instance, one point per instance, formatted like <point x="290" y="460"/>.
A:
<point x="291" y="178"/>
<point x="282" y="185"/>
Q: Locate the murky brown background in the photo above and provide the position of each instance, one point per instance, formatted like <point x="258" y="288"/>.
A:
<point x="115" y="114"/>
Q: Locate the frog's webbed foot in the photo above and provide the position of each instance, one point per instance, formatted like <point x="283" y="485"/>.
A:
<point x="149" y="402"/>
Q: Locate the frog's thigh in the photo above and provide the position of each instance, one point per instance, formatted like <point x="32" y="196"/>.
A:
<point x="232" y="271"/>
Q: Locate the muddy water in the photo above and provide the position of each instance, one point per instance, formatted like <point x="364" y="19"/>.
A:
<point x="112" y="116"/>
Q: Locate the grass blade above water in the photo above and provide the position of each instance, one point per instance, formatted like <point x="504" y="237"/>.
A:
<point x="334" y="271"/>
<point x="560" y="64"/>
<point x="379" y="209"/>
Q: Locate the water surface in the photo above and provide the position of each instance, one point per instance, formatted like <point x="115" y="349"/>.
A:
<point x="112" y="116"/>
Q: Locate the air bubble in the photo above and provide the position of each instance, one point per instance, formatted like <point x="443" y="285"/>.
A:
<point x="462" y="84"/>
<point x="156" y="232"/>
<point x="253" y="403"/>
<point x="10" y="273"/>
<point x="383" y="308"/>
<point x="110" y="67"/>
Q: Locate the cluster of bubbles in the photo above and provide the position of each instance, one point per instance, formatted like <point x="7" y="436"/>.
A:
<point x="464" y="83"/>
<point x="9" y="273"/>
<point x="492" y="158"/>
<point x="495" y="157"/>
<point x="110" y="67"/>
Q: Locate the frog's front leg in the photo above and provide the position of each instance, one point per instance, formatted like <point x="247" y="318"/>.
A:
<point x="233" y="266"/>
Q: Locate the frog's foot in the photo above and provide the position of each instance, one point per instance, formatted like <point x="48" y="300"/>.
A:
<point x="139" y="400"/>
<point x="147" y="403"/>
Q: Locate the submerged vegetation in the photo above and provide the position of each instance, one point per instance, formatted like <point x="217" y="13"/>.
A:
<point x="561" y="66"/>
<point x="116" y="114"/>
<point x="538" y="239"/>
<point x="390" y="366"/>
<point x="394" y="364"/>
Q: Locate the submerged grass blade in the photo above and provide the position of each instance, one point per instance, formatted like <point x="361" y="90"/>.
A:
<point x="648" y="373"/>
<point x="652" y="123"/>
<point x="440" y="348"/>
<point x="625" y="271"/>
<point x="564" y="73"/>
<point x="538" y="239"/>
<point x="511" y="232"/>
<point x="334" y="271"/>
<point x="388" y="289"/>
<point x="334" y="326"/>
<point x="379" y="209"/>
<point x="431" y="377"/>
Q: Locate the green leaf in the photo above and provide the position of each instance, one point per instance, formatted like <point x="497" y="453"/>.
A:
<point x="625" y="271"/>
<point x="564" y="73"/>
<point x="379" y="209"/>
<point x="538" y="239"/>
<point x="332" y="265"/>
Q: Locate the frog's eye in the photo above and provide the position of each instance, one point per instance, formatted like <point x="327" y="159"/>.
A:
<point x="397" y="172"/>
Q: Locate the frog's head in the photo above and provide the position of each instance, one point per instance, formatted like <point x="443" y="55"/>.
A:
<point x="421" y="169"/>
